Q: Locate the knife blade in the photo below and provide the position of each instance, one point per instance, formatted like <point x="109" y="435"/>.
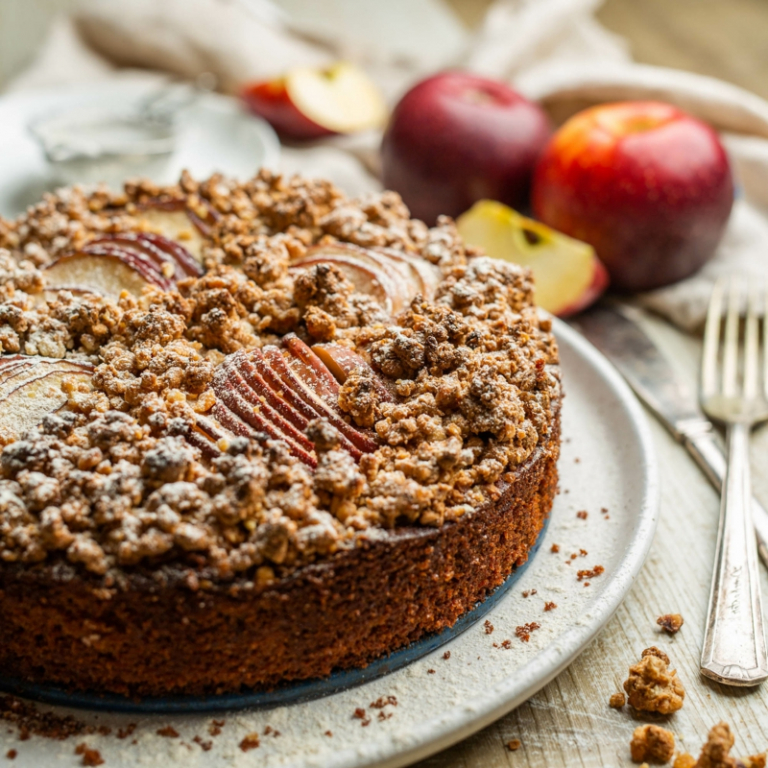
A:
<point x="650" y="374"/>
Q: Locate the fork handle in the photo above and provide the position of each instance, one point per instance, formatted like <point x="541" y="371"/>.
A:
<point x="734" y="651"/>
<point x="707" y="450"/>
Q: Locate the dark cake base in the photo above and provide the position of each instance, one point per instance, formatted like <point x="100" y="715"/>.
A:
<point x="155" y="639"/>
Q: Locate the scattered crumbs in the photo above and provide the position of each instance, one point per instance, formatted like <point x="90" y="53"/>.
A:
<point x="582" y="514"/>
<point x="168" y="731"/>
<point x="329" y="734"/>
<point x="604" y="510"/>
<point x="385" y="715"/>
<point x="124" y="733"/>
<point x="590" y="574"/>
<point x="447" y="655"/>
<point x="549" y="606"/>
<point x="91" y="757"/>
<point x="567" y="562"/>
<point x="583" y="552"/>
<point x="524" y="632"/>
<point x="495" y="645"/>
<point x="574" y="556"/>
<point x="555" y="548"/>
<point x="617" y="700"/>
<point x="251" y="741"/>
<point x="529" y="592"/>
<point x="488" y="627"/>
<point x="514" y="744"/>
<point x="206" y="746"/>
<point x="30" y="721"/>
<point x="268" y="730"/>
<point x="214" y="729"/>
<point x="670" y="622"/>
<point x="11" y="754"/>
<point x="432" y="671"/>
<point x="577" y="460"/>
<point x="383" y="701"/>
<point x="359" y="713"/>
<point x="506" y="644"/>
<point x="586" y="583"/>
<point x="654" y="743"/>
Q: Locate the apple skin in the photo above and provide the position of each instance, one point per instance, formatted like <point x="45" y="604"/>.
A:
<point x="598" y="286"/>
<point x="648" y="186"/>
<point x="456" y="138"/>
<point x="271" y="101"/>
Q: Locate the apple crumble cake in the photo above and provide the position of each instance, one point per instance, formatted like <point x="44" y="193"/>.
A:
<point x="255" y="432"/>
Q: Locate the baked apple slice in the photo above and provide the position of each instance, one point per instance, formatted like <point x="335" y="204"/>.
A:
<point x="341" y="361"/>
<point x="32" y="387"/>
<point x="107" y="270"/>
<point x="172" y="259"/>
<point x="177" y="220"/>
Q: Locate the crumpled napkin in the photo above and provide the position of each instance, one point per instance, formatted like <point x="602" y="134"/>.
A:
<point x="551" y="50"/>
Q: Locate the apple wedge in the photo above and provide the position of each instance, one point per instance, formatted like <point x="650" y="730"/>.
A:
<point x="176" y="220"/>
<point x="31" y="388"/>
<point x="309" y="103"/>
<point x="107" y="270"/>
<point x="569" y="277"/>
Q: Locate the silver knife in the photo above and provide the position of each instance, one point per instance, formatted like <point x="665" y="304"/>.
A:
<point x="657" y="384"/>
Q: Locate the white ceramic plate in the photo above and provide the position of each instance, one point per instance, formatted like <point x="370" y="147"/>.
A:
<point x="215" y="134"/>
<point x="607" y="463"/>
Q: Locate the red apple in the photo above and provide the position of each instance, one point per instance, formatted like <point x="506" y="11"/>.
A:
<point x="456" y="138"/>
<point x="648" y="186"/>
<point x="311" y="103"/>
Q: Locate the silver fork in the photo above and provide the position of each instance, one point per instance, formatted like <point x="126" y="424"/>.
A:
<point x="734" y="651"/>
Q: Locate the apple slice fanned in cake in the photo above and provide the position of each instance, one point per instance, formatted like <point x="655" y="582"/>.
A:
<point x="274" y="393"/>
<point x="112" y="263"/>
<point x="32" y="387"/>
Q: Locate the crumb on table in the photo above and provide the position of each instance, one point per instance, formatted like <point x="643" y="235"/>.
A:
<point x="514" y="744"/>
<point x="716" y="753"/>
<point x="652" y="686"/>
<point x="617" y="700"/>
<point x="652" y="743"/>
<point x="670" y="622"/>
<point x="249" y="742"/>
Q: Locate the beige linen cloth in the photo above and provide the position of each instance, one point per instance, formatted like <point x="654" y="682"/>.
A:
<point x="551" y="50"/>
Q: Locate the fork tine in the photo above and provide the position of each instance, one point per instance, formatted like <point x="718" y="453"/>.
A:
<point x="709" y="381"/>
<point x="752" y="346"/>
<point x="731" y="344"/>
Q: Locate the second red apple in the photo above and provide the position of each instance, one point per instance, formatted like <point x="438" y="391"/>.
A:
<point x="457" y="138"/>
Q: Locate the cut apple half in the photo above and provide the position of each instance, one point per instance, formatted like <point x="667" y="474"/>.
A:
<point x="32" y="387"/>
<point x="568" y="275"/>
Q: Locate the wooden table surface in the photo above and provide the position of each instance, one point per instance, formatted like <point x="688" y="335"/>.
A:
<point x="569" y="722"/>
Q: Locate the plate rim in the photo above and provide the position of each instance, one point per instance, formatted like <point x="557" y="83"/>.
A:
<point x="455" y="726"/>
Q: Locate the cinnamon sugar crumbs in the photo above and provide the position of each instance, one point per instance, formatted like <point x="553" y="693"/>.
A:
<point x="384" y="701"/>
<point x="549" y="606"/>
<point x="529" y="592"/>
<point x="249" y="742"/>
<point x="447" y="655"/>
<point x="124" y="733"/>
<point x="590" y="573"/>
<point x="506" y="644"/>
<point x="488" y="627"/>
<point x="214" y="729"/>
<point x="90" y="757"/>
<point x="360" y="714"/>
<point x="11" y="754"/>
<point x="205" y="745"/>
<point x="329" y="734"/>
<point x="432" y="671"/>
<point x="514" y="744"/>
<point x="168" y="731"/>
<point x="555" y="548"/>
<point x="31" y="722"/>
<point x="524" y="631"/>
<point x="582" y="514"/>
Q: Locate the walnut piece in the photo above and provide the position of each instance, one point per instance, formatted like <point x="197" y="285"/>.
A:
<point x="652" y="686"/>
<point x="652" y="743"/>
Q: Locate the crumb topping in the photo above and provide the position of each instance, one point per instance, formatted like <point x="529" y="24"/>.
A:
<point x="652" y="743"/>
<point x="455" y="392"/>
